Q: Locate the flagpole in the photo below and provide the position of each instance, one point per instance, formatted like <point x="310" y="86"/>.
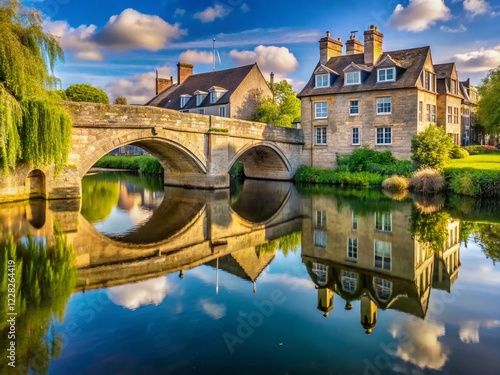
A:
<point x="213" y="54"/>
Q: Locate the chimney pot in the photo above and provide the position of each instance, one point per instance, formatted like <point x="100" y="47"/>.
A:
<point x="329" y="48"/>
<point x="184" y="70"/>
<point x="373" y="45"/>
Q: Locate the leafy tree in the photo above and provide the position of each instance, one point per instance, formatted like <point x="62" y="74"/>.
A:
<point x="34" y="127"/>
<point x="121" y="100"/>
<point x="489" y="104"/>
<point x="430" y="229"/>
<point x="283" y="110"/>
<point x="431" y="147"/>
<point x="83" y="92"/>
<point x="488" y="238"/>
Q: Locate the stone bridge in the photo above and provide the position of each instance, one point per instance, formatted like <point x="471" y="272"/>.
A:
<point x="195" y="150"/>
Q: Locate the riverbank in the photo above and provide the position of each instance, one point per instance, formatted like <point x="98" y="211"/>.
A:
<point x="144" y="164"/>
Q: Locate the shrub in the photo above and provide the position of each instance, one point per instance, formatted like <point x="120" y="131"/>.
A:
<point x="237" y="170"/>
<point x="427" y="180"/>
<point x="143" y="164"/>
<point x="458" y="153"/>
<point x="472" y="182"/>
<point x="82" y="92"/>
<point x="342" y="178"/>
<point x="360" y="159"/>
<point x="398" y="167"/>
<point x="396" y="183"/>
<point x="431" y="147"/>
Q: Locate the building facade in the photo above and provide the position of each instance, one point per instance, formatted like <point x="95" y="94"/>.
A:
<point x="368" y="96"/>
<point x="231" y="93"/>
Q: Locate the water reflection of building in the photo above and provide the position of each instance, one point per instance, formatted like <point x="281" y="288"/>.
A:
<point x="372" y="258"/>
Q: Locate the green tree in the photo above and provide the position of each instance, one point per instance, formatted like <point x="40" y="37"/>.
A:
<point x="283" y="110"/>
<point x="430" y="229"/>
<point x="488" y="238"/>
<point x="489" y="103"/>
<point x="34" y="127"/>
<point x="431" y="147"/>
<point x="83" y="92"/>
<point x="121" y="100"/>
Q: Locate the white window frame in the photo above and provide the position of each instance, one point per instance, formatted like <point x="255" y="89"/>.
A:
<point x="382" y="105"/>
<point x="355" y="107"/>
<point x="433" y="114"/>
<point x="322" y="272"/>
<point x="385" y="222"/>
<point x="355" y="133"/>
<point x="322" y="80"/>
<point x="352" y="78"/>
<point x="384" y="131"/>
<point x="349" y="281"/>
<point x="199" y="98"/>
<point x="352" y="249"/>
<point x="319" y="239"/>
<point x="320" y="135"/>
<point x="427" y="113"/>
<point x="320" y="219"/>
<point x="321" y="110"/>
<point x="222" y="111"/>
<point x="386" y="254"/>
<point x="184" y="100"/>
<point x="383" y="288"/>
<point x="354" y="221"/>
<point x="420" y="110"/>
<point x="382" y="74"/>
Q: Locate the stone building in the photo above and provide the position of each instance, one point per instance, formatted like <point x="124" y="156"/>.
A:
<point x="373" y="97"/>
<point x="470" y="133"/>
<point x="227" y="93"/>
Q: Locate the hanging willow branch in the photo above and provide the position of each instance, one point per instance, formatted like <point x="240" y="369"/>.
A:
<point x="34" y="127"/>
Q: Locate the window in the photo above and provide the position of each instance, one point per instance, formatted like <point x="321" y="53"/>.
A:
<point x="349" y="281"/>
<point x="322" y="80"/>
<point x="352" y="248"/>
<point x="320" y="239"/>
<point x="201" y="111"/>
<point x="320" y="219"/>
<point x="354" y="221"/>
<point x="355" y="136"/>
<point x="184" y="100"/>
<point x="383" y="105"/>
<point x="222" y="111"/>
<point x="352" y="78"/>
<point x="321" y="135"/>
<point x="450" y="114"/>
<point x="429" y="81"/>
<point x="321" y="271"/>
<point x="213" y="97"/>
<point x="455" y="115"/>
<point x="383" y="255"/>
<point x="383" y="288"/>
<point x="386" y="75"/>
<point x="353" y="107"/>
<point x="453" y="86"/>
<point x="428" y="113"/>
<point x="320" y="110"/>
<point x="433" y="117"/>
<point x="420" y="109"/>
<point x="383" y="222"/>
<point x="199" y="98"/>
<point x="384" y="136"/>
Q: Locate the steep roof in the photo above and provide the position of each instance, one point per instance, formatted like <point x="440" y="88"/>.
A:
<point x="228" y="79"/>
<point x="444" y="70"/>
<point x="409" y="64"/>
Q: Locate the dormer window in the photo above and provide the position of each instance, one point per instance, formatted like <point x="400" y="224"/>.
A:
<point x="386" y="74"/>
<point x="184" y="100"/>
<point x="200" y="96"/>
<point x="322" y="80"/>
<point x="352" y="78"/>
<point x="216" y="93"/>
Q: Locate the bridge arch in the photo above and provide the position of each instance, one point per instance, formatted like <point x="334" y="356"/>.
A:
<point x="172" y="151"/>
<point x="263" y="160"/>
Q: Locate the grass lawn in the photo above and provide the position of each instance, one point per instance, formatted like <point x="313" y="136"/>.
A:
<point x="482" y="161"/>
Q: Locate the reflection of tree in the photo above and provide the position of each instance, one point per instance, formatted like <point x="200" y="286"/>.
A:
<point x="288" y="242"/>
<point x="430" y="228"/>
<point x="45" y="277"/>
<point x="488" y="238"/>
<point x="98" y="197"/>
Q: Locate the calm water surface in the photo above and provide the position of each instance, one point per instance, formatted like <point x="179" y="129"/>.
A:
<point x="268" y="278"/>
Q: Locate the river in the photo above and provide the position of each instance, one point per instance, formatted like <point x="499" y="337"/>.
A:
<point x="264" y="278"/>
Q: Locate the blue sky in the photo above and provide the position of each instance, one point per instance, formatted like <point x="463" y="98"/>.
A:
<point x="117" y="45"/>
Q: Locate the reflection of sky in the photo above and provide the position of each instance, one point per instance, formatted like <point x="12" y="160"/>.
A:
<point x="132" y="296"/>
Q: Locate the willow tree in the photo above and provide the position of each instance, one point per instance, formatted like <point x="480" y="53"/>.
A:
<point x="34" y="127"/>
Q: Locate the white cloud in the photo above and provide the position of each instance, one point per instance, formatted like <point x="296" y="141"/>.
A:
<point x="212" y="13"/>
<point x="213" y="310"/>
<point x="418" y="342"/>
<point x="194" y="56"/>
<point x="476" y="7"/>
<point x="469" y="330"/>
<point x="138" y="89"/>
<point x="179" y="12"/>
<point x="278" y="60"/>
<point x="419" y="15"/>
<point x="478" y="61"/>
<point x="244" y="7"/>
<point x="132" y="30"/>
<point x="132" y="296"/>
<point x="459" y="29"/>
<point x="79" y="40"/>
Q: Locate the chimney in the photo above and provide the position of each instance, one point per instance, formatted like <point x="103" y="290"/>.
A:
<point x="162" y="83"/>
<point x="373" y="45"/>
<point x="328" y="48"/>
<point x="353" y="45"/>
<point x="184" y="70"/>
